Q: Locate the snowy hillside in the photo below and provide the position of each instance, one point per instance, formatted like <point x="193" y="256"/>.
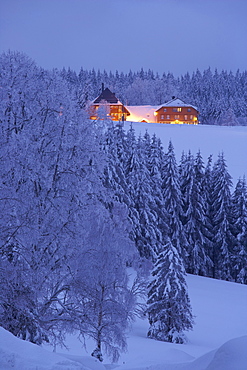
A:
<point x="232" y="140"/>
<point x="219" y="338"/>
<point x="218" y="341"/>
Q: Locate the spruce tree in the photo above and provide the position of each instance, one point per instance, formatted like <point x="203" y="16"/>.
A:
<point x="240" y="230"/>
<point x="155" y="163"/>
<point x="223" y="238"/>
<point x="207" y="195"/>
<point x="114" y="172"/>
<point x="201" y="178"/>
<point x="173" y="202"/>
<point x="194" y="219"/>
<point x="142" y="210"/>
<point x="169" y="309"/>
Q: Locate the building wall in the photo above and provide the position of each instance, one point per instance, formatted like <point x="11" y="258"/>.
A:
<point x="116" y="112"/>
<point x="177" y="115"/>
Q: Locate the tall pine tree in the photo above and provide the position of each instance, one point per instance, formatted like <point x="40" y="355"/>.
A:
<point x="169" y="309"/>
<point x="173" y="202"/>
<point x="240" y="223"/>
<point x="223" y="238"/>
<point x="194" y="219"/>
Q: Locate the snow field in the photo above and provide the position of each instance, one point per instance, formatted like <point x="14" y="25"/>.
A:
<point x="232" y="140"/>
<point x="217" y="342"/>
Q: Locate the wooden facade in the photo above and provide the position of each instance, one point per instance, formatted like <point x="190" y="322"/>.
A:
<point x="176" y="112"/>
<point x="109" y="106"/>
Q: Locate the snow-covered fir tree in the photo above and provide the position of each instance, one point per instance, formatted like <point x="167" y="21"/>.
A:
<point x="173" y="202"/>
<point x="115" y="146"/>
<point x="223" y="238"/>
<point x="207" y="195"/>
<point x="169" y="309"/>
<point x="142" y="212"/>
<point x="155" y="163"/>
<point x="194" y="219"/>
<point x="202" y="176"/>
<point x="239" y="210"/>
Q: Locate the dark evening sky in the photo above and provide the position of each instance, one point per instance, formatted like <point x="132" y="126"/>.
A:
<point x="163" y="35"/>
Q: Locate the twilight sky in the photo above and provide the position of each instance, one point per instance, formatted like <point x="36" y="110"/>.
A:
<point x="163" y="35"/>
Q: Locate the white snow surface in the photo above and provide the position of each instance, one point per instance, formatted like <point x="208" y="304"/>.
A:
<point x="232" y="140"/>
<point x="218" y="340"/>
<point x="20" y="355"/>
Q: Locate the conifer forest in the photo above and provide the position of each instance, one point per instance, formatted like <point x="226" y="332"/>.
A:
<point x="83" y="201"/>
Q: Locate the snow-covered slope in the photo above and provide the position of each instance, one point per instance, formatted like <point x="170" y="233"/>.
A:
<point x="20" y="355"/>
<point x="217" y="342"/>
<point x="232" y="140"/>
<point x="220" y="310"/>
<point x="219" y="338"/>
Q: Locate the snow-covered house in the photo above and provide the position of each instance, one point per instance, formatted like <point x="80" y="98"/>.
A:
<point x="174" y="111"/>
<point x="110" y="105"/>
<point x="177" y="111"/>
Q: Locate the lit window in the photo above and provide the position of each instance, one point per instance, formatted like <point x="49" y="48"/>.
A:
<point x="191" y="117"/>
<point x="177" y="109"/>
<point x="168" y="116"/>
<point x="162" y="116"/>
<point x="176" y="116"/>
<point x="185" y="117"/>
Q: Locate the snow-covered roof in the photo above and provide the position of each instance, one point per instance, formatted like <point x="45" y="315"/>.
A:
<point x="139" y="113"/>
<point x="176" y="102"/>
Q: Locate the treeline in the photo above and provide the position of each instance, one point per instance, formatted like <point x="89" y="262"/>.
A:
<point x="221" y="97"/>
<point x="184" y="218"/>
<point x="80" y="200"/>
<point x="190" y="203"/>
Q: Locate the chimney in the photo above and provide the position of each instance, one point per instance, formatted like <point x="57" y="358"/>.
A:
<point x="103" y="88"/>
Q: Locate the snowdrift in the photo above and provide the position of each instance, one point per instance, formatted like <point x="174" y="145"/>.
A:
<point x="17" y="354"/>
